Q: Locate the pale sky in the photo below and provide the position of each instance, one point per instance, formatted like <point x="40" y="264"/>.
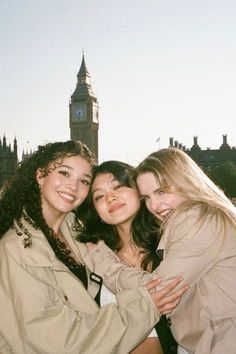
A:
<point x="160" y="68"/>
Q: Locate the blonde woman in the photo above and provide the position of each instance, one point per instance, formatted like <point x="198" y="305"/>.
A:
<point x="198" y="241"/>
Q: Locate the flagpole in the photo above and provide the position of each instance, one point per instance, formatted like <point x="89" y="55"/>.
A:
<point x="158" y="140"/>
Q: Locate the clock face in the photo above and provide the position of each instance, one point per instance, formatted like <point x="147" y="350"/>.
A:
<point x="95" y="113"/>
<point x="79" y="113"/>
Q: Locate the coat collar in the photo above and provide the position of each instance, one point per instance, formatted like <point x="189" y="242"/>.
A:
<point x="40" y="253"/>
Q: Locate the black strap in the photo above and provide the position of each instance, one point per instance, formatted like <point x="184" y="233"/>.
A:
<point x="168" y="343"/>
<point x="97" y="279"/>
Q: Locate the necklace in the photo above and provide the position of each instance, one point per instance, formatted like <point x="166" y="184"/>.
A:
<point x="133" y="260"/>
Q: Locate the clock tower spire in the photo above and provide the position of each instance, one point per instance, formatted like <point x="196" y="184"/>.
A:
<point x="84" y="114"/>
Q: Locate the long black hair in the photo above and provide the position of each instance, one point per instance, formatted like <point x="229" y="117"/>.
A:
<point x="145" y="231"/>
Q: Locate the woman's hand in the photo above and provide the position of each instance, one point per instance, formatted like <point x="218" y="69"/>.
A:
<point x="166" y="300"/>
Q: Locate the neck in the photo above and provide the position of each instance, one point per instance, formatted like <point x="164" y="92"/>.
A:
<point x="54" y="221"/>
<point x="124" y="232"/>
<point x="131" y="255"/>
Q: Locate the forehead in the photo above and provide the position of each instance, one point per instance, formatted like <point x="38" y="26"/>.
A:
<point x="103" y="179"/>
<point x="147" y="181"/>
<point x="76" y="163"/>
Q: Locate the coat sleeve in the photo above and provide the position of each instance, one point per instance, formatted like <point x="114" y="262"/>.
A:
<point x="38" y="318"/>
<point x="190" y="250"/>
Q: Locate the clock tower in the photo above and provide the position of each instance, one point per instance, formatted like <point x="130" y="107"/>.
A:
<point x="84" y="114"/>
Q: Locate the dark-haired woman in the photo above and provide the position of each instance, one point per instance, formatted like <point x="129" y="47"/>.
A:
<point x="115" y="215"/>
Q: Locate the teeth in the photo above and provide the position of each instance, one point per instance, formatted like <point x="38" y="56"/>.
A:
<point x="165" y="213"/>
<point x="67" y="196"/>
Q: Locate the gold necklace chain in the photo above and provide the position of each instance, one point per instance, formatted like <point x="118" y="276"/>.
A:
<point x="135" y="263"/>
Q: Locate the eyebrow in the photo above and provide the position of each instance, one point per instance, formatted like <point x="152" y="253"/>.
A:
<point x="96" y="190"/>
<point x="155" y="190"/>
<point x="71" y="168"/>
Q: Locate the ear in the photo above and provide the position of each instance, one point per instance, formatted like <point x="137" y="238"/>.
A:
<point x="40" y="176"/>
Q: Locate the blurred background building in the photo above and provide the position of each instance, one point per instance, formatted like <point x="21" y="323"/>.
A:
<point x="219" y="164"/>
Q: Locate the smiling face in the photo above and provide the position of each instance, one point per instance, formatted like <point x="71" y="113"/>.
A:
<point x="64" y="187"/>
<point x="157" y="201"/>
<point x="115" y="203"/>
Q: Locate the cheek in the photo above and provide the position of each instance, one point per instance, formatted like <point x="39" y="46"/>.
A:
<point x="177" y="201"/>
<point x="100" y="209"/>
<point x="52" y="181"/>
<point x="137" y="205"/>
<point x="133" y="201"/>
<point x="83" y="195"/>
<point x="148" y="205"/>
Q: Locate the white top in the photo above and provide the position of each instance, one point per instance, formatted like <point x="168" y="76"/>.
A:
<point x="107" y="297"/>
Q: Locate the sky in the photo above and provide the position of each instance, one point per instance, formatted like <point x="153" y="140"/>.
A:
<point x="159" y="68"/>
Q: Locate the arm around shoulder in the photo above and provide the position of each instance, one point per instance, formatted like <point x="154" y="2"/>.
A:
<point x="116" y="274"/>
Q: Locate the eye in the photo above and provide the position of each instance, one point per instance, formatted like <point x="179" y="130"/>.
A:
<point x="98" y="197"/>
<point x="118" y="187"/>
<point x="161" y="191"/>
<point x="85" y="182"/>
<point x="64" y="173"/>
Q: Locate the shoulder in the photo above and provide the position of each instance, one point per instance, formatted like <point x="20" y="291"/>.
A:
<point x="195" y="221"/>
<point x="9" y="246"/>
<point x="9" y="239"/>
<point x="195" y="214"/>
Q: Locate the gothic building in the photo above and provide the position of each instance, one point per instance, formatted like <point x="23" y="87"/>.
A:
<point x="84" y="114"/>
<point x="8" y="160"/>
<point x="210" y="157"/>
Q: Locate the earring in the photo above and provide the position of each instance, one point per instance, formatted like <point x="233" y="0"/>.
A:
<point x="102" y="221"/>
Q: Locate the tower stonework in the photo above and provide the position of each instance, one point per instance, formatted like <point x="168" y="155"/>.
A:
<point x="8" y="160"/>
<point x="84" y="111"/>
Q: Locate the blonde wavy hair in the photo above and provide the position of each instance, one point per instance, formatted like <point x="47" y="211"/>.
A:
<point x="176" y="172"/>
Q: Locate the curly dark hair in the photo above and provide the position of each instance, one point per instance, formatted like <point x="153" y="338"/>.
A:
<point x="21" y="193"/>
<point x="145" y="231"/>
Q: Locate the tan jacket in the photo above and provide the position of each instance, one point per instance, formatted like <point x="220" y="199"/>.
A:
<point x="46" y="309"/>
<point x="205" y="320"/>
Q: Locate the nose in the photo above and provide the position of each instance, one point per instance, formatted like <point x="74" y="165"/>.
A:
<point x="73" y="185"/>
<point x="153" y="204"/>
<point x="111" y="197"/>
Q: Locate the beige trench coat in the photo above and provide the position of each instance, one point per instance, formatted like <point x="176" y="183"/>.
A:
<point x="46" y="309"/>
<point x="205" y="320"/>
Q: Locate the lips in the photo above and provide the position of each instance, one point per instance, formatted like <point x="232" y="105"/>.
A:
<point x="164" y="213"/>
<point x="115" y="208"/>
<point x="68" y="197"/>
